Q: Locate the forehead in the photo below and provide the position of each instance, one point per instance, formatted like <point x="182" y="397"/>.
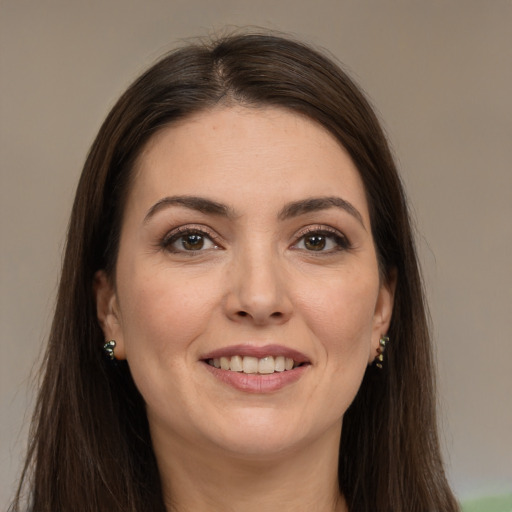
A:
<point x="238" y="154"/>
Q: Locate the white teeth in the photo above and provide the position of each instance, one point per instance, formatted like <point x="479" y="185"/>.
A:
<point x="279" y="364"/>
<point x="266" y="365"/>
<point x="252" y="365"/>
<point x="235" y="365"/>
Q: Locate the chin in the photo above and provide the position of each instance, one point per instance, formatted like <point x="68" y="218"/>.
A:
<point x="259" y="435"/>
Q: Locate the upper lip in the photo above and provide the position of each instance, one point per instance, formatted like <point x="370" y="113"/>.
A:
<point x="258" y="351"/>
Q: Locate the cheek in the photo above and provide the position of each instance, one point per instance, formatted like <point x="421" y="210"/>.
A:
<point x="164" y="311"/>
<point x="340" y="314"/>
<point x="163" y="314"/>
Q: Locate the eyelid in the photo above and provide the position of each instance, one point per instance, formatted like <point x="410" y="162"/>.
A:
<point x="176" y="232"/>
<point x="324" y="230"/>
<point x="319" y="228"/>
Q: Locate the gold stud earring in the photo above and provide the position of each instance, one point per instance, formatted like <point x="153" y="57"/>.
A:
<point x="109" y="347"/>
<point x="379" y="359"/>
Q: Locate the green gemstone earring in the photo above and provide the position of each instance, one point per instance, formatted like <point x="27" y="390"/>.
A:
<point x="109" y="347"/>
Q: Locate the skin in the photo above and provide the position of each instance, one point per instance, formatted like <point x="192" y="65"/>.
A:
<point x="256" y="280"/>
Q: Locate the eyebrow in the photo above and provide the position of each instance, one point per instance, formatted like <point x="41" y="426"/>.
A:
<point x="315" y="204"/>
<point x="290" y="210"/>
<point x="199" y="204"/>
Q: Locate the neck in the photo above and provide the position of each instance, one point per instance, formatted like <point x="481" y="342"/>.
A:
<point x="302" y="480"/>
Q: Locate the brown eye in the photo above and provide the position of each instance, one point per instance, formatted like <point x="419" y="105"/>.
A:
<point x="192" y="242"/>
<point x="188" y="241"/>
<point x="322" y="241"/>
<point x="315" y="242"/>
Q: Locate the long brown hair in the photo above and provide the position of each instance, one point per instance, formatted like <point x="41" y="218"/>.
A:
<point x="90" y="446"/>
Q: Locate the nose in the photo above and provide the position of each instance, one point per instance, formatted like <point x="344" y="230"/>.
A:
<point x="258" y="292"/>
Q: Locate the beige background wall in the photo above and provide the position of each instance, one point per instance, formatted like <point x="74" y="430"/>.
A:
<point x="440" y="73"/>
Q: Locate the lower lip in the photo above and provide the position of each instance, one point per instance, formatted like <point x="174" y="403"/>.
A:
<point x="255" y="382"/>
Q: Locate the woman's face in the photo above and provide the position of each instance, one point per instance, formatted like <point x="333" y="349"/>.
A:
<point x="246" y="243"/>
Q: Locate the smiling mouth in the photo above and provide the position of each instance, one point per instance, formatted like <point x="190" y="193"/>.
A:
<point x="254" y="365"/>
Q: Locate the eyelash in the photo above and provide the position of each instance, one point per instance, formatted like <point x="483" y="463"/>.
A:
<point x="339" y="240"/>
<point x="183" y="231"/>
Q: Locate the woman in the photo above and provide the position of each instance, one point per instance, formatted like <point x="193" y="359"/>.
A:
<point x="240" y="322"/>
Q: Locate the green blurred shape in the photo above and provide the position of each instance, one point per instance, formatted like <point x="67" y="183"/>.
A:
<point x="501" y="503"/>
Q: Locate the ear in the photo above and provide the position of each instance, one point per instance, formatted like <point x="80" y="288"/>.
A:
<point x="383" y="312"/>
<point x="107" y="310"/>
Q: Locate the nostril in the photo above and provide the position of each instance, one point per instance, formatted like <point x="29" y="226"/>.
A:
<point x="276" y="315"/>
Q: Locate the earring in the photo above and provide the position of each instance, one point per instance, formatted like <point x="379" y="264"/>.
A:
<point x="108" y="348"/>
<point x="379" y="359"/>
